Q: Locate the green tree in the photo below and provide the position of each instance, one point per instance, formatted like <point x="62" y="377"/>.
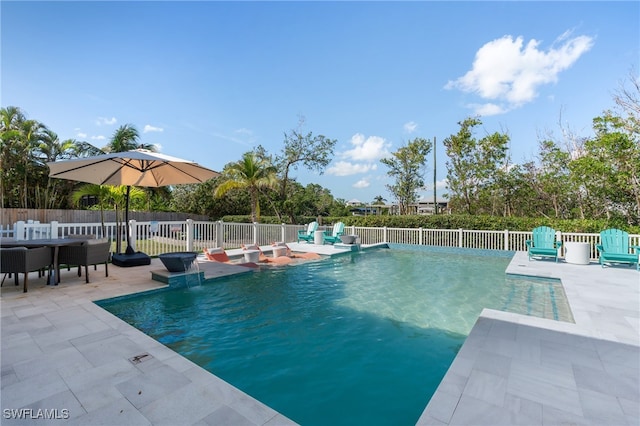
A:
<point x="126" y="138"/>
<point x="608" y="171"/>
<point x="311" y="201"/>
<point x="20" y="138"/>
<point x="101" y="193"/>
<point x="407" y="167"/>
<point x="379" y="200"/>
<point x="11" y="119"/>
<point x="473" y="165"/>
<point x="555" y="187"/>
<point x="51" y="149"/>
<point x="253" y="174"/>
<point x="312" y="152"/>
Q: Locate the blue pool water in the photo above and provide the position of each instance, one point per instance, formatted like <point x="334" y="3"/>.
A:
<point x="361" y="338"/>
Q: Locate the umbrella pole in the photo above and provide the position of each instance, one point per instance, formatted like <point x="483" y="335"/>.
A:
<point x="126" y="220"/>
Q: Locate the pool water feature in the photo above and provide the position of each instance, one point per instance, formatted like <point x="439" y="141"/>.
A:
<point x="361" y="338"/>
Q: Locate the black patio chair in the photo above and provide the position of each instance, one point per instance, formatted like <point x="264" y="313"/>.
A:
<point x="90" y="252"/>
<point x="21" y="260"/>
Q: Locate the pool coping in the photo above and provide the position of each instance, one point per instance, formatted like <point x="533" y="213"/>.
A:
<point x="62" y="351"/>
<point x="516" y="369"/>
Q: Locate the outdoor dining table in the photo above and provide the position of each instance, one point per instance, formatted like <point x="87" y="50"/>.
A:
<point x="53" y="243"/>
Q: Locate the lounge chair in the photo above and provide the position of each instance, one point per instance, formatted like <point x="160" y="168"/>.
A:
<point x="298" y="255"/>
<point x="280" y="260"/>
<point x="334" y="236"/>
<point x="543" y="243"/>
<point x="308" y="235"/>
<point x="218" y="254"/>
<point x="614" y="248"/>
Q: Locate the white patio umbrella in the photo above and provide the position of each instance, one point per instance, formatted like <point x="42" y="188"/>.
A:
<point x="138" y="167"/>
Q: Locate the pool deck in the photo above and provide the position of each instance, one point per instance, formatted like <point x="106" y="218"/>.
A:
<point x="60" y="351"/>
<point x="519" y="370"/>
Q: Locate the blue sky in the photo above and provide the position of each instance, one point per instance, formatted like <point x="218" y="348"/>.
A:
<point x="208" y="81"/>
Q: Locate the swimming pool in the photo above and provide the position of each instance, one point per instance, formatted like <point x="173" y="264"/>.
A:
<point x="361" y="338"/>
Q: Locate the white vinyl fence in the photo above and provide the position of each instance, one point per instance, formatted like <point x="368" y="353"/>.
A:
<point x="157" y="237"/>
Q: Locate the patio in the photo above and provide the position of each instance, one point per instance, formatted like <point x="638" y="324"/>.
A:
<point x="62" y="352"/>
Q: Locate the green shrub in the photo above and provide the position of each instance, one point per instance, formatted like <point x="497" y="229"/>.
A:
<point x="477" y="222"/>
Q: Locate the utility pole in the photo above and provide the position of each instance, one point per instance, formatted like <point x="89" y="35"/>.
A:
<point x="435" y="202"/>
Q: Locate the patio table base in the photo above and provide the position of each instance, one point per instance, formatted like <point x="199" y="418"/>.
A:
<point x="127" y="260"/>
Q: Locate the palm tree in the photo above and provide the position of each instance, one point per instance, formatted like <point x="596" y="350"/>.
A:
<point x="252" y="173"/>
<point x="378" y="200"/>
<point x="18" y="137"/>
<point x="109" y="195"/>
<point x="50" y="149"/>
<point x="100" y="192"/>
<point x="125" y="138"/>
<point x="10" y="131"/>
<point x="31" y="133"/>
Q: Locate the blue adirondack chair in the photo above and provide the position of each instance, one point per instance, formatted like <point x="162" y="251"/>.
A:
<point x="614" y="248"/>
<point x="543" y="243"/>
<point x="309" y="233"/>
<point x="334" y="236"/>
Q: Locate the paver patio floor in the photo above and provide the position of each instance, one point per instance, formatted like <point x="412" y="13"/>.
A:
<point x="60" y="351"/>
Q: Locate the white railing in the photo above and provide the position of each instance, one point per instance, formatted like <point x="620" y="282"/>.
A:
<point x="8" y="233"/>
<point x="157" y="237"/>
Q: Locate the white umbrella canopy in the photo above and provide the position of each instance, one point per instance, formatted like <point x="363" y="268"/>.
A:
<point x="132" y="168"/>
<point x="139" y="167"/>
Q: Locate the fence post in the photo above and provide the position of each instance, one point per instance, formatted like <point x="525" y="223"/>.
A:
<point x="420" y="236"/>
<point x="384" y="235"/>
<point x="19" y="230"/>
<point x="459" y="237"/>
<point x="559" y="238"/>
<point x="283" y="233"/>
<point x="54" y="229"/>
<point x="255" y="233"/>
<point x="133" y="232"/>
<point x="506" y="239"/>
<point x="218" y="237"/>
<point x="190" y="234"/>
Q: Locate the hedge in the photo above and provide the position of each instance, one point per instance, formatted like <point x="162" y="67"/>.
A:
<point x="489" y="223"/>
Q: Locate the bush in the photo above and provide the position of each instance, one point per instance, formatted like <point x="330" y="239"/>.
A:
<point x="477" y="222"/>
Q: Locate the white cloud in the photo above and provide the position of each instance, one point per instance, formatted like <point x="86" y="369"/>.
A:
<point x="362" y="183"/>
<point x="367" y="149"/>
<point x="106" y="121"/>
<point x="149" y="128"/>
<point x="488" y="109"/>
<point x="440" y="184"/>
<point x="98" y="138"/>
<point x="81" y="135"/>
<point x="345" y="168"/>
<point x="244" y="131"/>
<point x="507" y="72"/>
<point x="410" y="127"/>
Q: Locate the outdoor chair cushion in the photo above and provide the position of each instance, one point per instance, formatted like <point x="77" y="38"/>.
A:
<point x="216" y="253"/>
